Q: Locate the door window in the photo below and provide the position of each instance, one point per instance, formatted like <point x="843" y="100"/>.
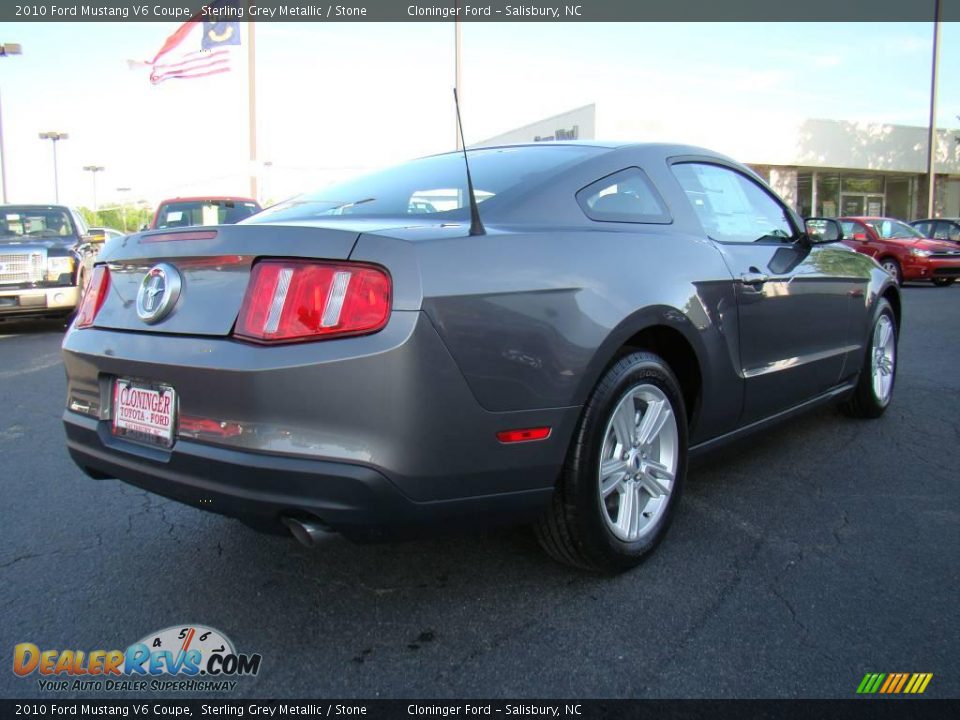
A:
<point x="732" y="207"/>
<point x="853" y="230"/>
<point x="945" y="231"/>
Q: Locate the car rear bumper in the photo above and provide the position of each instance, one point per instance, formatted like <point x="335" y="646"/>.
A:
<point x="367" y="434"/>
<point x="38" y="301"/>
<point x="262" y="490"/>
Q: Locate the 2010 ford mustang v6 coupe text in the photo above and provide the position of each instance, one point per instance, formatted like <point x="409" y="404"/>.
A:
<point x="404" y="350"/>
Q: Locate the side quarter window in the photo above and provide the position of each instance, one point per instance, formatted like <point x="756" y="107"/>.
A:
<point x="625" y="196"/>
<point x="732" y="207"/>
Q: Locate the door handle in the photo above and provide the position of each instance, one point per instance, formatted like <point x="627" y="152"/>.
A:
<point x="754" y="278"/>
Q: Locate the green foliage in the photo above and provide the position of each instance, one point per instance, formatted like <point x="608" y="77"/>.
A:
<point x="129" y="218"/>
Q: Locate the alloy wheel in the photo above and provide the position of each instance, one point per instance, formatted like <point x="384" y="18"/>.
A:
<point x="883" y="358"/>
<point x="638" y="462"/>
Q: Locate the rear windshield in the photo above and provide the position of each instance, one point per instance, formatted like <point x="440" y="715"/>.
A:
<point x="432" y="185"/>
<point x="204" y="212"/>
<point x="35" y="222"/>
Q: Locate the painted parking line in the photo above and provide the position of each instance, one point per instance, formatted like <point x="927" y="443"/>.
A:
<point x="44" y="362"/>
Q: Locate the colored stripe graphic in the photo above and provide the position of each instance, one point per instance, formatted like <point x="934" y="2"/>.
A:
<point x="894" y="683"/>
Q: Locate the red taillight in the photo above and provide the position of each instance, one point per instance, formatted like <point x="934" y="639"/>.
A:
<point x="93" y="297"/>
<point x="296" y="300"/>
<point x="524" y="435"/>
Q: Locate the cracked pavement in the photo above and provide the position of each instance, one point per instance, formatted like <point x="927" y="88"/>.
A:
<point x="800" y="559"/>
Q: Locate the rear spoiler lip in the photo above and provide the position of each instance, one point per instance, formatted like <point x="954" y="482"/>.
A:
<point x="171" y="236"/>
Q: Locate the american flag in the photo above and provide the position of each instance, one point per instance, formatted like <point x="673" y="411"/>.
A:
<point x="197" y="49"/>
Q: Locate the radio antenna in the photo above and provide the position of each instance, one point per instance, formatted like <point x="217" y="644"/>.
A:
<point x="476" y="225"/>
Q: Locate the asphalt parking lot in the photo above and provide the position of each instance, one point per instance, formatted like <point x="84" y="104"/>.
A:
<point x="799" y="561"/>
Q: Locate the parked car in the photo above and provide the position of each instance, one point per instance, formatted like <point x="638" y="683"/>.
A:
<point x="189" y="211"/>
<point x="107" y="233"/>
<point x="46" y="257"/>
<point x="939" y="228"/>
<point x="551" y="355"/>
<point x="901" y="250"/>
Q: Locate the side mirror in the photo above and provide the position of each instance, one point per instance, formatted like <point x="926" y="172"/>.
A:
<point x="823" y="230"/>
<point x="144" y="228"/>
<point x="862" y="237"/>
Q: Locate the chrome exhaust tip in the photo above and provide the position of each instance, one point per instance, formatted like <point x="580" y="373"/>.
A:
<point x="308" y="533"/>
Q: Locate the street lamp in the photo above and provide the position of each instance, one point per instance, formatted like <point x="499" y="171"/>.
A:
<point x="54" y="136"/>
<point x="5" y="49"/>
<point x="263" y="182"/>
<point x="123" y="207"/>
<point x="94" y="169"/>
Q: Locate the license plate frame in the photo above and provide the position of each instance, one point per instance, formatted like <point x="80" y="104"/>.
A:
<point x="140" y="415"/>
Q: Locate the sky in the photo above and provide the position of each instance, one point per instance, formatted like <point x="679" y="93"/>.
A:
<point x="336" y="100"/>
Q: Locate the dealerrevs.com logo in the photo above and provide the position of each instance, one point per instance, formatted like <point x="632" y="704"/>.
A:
<point x="189" y="658"/>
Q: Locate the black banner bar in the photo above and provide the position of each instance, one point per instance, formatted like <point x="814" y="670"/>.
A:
<point x="854" y="709"/>
<point x="865" y="11"/>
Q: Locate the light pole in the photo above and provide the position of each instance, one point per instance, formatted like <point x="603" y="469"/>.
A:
<point x="55" y="136"/>
<point x="5" y="49"/>
<point x="263" y="181"/>
<point x="123" y="207"/>
<point x="94" y="169"/>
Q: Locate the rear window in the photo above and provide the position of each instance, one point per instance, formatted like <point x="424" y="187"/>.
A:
<point x="204" y="212"/>
<point x="433" y="185"/>
<point x="35" y="222"/>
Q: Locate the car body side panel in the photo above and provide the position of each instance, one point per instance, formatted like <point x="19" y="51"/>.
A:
<point x="529" y="316"/>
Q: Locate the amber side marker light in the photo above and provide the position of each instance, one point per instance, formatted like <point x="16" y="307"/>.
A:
<point x="524" y="435"/>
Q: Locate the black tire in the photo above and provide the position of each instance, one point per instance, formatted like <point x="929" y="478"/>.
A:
<point x="893" y="267"/>
<point x="865" y="402"/>
<point x="943" y="282"/>
<point x="575" y="528"/>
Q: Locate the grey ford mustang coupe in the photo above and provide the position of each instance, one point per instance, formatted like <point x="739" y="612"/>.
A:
<point x="548" y="344"/>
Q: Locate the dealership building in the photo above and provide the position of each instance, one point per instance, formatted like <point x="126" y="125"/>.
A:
<point x="821" y="167"/>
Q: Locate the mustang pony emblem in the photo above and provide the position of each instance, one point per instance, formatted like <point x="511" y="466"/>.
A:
<point x="158" y="293"/>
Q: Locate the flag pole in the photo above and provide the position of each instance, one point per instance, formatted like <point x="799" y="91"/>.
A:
<point x="252" y="105"/>
<point x="456" y="67"/>
<point x="932" y="128"/>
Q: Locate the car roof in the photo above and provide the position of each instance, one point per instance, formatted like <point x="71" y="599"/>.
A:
<point x="201" y="198"/>
<point x="867" y="217"/>
<point x="35" y="206"/>
<point x="945" y="219"/>
<point x="660" y="148"/>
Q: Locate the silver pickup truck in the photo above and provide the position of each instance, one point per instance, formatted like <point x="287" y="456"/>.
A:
<point x="46" y="256"/>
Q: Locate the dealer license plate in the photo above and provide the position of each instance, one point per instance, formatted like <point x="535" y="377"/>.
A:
<point x="144" y="411"/>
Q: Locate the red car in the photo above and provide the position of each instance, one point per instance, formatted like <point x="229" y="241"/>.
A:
<point x="901" y="250"/>
<point x="208" y="210"/>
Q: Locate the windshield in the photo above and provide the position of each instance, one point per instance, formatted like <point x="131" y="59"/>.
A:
<point x="893" y="229"/>
<point x="204" y="212"/>
<point x="432" y="185"/>
<point x="30" y="222"/>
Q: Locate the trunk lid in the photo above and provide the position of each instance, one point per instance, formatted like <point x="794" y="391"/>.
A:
<point x="213" y="264"/>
